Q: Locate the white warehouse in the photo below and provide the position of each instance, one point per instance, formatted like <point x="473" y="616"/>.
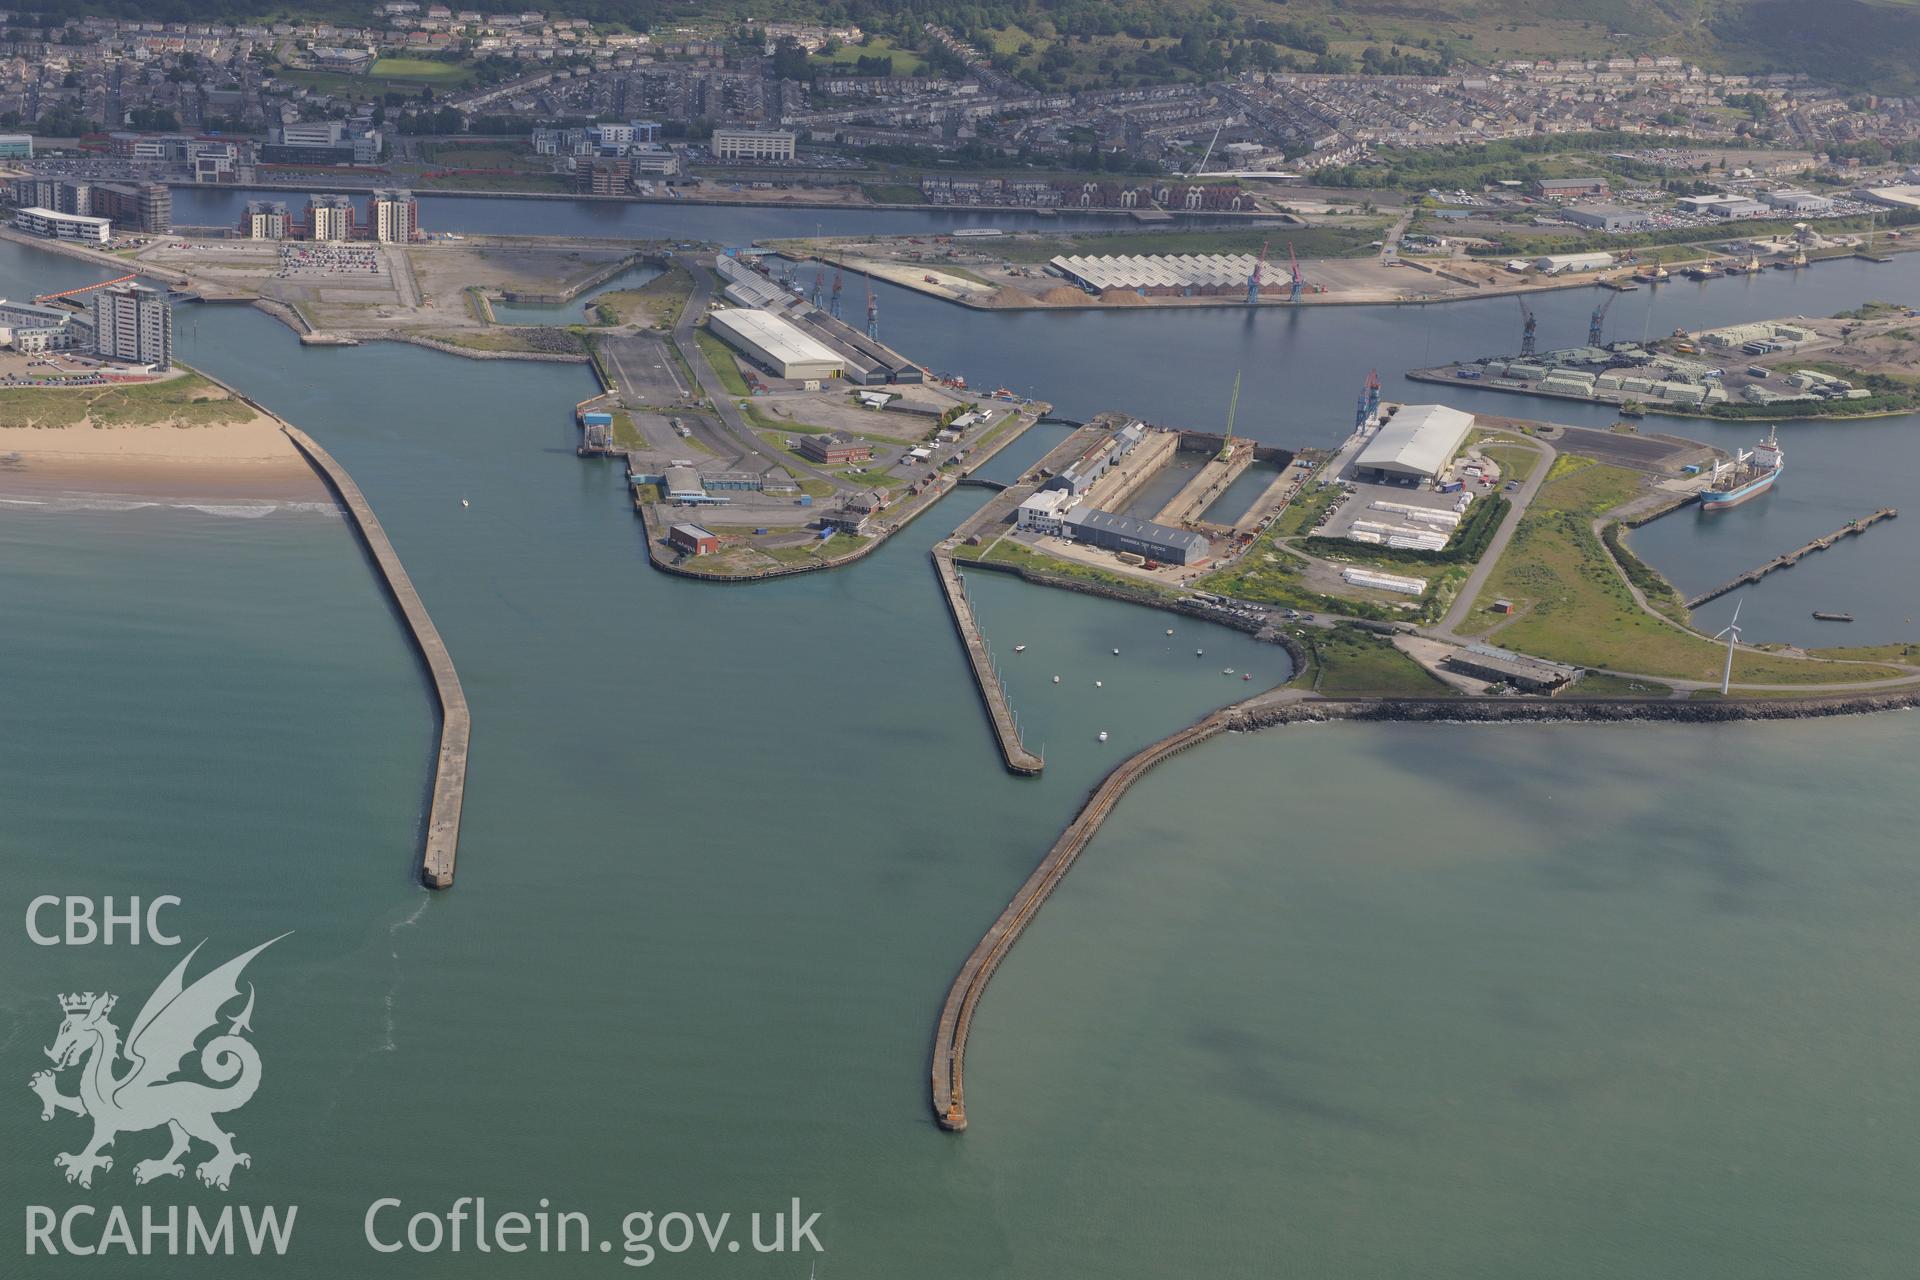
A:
<point x="775" y="344"/>
<point x="1414" y="444"/>
<point x="1554" y="263"/>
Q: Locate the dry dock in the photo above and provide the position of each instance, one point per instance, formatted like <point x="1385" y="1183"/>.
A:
<point x="456" y="724"/>
<point x="956" y="1015"/>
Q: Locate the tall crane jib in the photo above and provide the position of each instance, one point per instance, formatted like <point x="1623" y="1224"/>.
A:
<point x="1596" y="328"/>
<point x="1253" y="281"/>
<point x="1368" y="407"/>
<point x="819" y="284"/>
<point x="873" y="313"/>
<point x="1296" y="283"/>
<point x="835" y="307"/>
<point x="1527" y="328"/>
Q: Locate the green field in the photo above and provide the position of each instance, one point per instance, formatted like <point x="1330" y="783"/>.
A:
<point x="1349" y="662"/>
<point x="905" y="61"/>
<point x="185" y="401"/>
<point x="431" y="71"/>
<point x="1573" y="605"/>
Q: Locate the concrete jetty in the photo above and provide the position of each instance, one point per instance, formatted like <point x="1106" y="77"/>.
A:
<point x="1787" y="560"/>
<point x="956" y="1015"/>
<point x="992" y="692"/>
<point x="456" y="723"/>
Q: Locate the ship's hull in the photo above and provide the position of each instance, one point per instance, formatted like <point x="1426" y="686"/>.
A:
<point x="1721" y="499"/>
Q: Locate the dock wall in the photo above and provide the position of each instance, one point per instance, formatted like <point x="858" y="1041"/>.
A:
<point x="456" y="723"/>
<point x="992" y="692"/>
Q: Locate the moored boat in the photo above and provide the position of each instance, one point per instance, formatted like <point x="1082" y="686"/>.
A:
<point x="1750" y="475"/>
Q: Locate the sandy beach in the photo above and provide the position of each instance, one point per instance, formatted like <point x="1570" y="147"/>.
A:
<point x="217" y="461"/>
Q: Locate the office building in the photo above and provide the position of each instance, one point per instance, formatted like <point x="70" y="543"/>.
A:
<point x="834" y="449"/>
<point x="63" y="226"/>
<point x="16" y="146"/>
<point x="753" y="144"/>
<point x="133" y="323"/>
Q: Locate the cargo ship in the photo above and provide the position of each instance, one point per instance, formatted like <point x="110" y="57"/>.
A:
<point x="1751" y="474"/>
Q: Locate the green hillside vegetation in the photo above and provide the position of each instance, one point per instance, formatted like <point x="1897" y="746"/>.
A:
<point x="188" y="400"/>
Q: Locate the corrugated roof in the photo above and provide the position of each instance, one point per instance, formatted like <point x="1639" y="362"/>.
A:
<point x="1420" y="437"/>
<point x="779" y="338"/>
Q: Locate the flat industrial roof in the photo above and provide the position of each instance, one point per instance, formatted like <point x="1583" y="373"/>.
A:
<point x="779" y="338"/>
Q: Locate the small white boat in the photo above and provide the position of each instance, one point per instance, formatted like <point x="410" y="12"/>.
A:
<point x="465" y="503"/>
<point x="1169" y="630"/>
<point x="1103" y="735"/>
<point x="1248" y="676"/>
<point x="1056" y="679"/>
<point x="1227" y="672"/>
<point x="1098" y="685"/>
<point x="1019" y="648"/>
<point x="1116" y="653"/>
<point x="1199" y="653"/>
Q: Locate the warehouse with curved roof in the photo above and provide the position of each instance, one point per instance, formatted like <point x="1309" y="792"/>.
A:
<point x="1415" y="444"/>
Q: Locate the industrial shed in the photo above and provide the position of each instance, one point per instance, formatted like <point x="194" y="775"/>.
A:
<point x="775" y="344"/>
<point x="1142" y="537"/>
<point x="1171" y="275"/>
<point x="1414" y="444"/>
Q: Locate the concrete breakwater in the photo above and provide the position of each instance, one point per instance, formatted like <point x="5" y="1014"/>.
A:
<point x="1285" y="706"/>
<point x="963" y="998"/>
<point x="1852" y="528"/>
<point x="456" y="722"/>
<point x="993" y="693"/>
<point x="1259" y="713"/>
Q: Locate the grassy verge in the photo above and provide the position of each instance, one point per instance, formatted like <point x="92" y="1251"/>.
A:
<point x="1006" y="551"/>
<point x="1349" y="662"/>
<point x="1267" y="574"/>
<point x="545" y="341"/>
<point x="720" y="359"/>
<point x="1653" y="585"/>
<point x="1574" y="606"/>
<point x="1598" y="684"/>
<point x="185" y="401"/>
<point x="657" y="302"/>
<point x="894" y="193"/>
<point x="1300" y="515"/>
<point x="839" y="547"/>
<point x="1516" y="462"/>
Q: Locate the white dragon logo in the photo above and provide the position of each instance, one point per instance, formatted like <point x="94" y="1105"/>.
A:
<point x="147" y="1096"/>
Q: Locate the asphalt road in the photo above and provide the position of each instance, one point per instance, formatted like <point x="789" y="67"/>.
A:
<point x="729" y="413"/>
<point x="1470" y="590"/>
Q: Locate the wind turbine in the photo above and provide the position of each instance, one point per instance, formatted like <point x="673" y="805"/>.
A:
<point x="1732" y="632"/>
